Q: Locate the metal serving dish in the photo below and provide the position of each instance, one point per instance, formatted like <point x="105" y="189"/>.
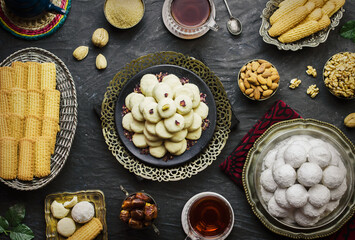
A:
<point x="252" y="171"/>
<point x="311" y="41"/>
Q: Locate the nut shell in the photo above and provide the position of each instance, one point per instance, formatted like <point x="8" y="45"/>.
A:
<point x="100" y="37"/>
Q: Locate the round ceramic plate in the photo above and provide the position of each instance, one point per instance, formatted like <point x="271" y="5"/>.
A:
<point x="67" y="119"/>
<point x="253" y="165"/>
<point x="199" y="145"/>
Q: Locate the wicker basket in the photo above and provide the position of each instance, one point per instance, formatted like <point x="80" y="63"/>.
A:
<point x="68" y="114"/>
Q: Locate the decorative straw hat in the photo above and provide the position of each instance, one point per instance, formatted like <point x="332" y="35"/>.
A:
<point x="33" y="28"/>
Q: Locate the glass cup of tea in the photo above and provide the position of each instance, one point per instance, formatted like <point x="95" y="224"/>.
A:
<point x="189" y="19"/>
<point x="207" y="216"/>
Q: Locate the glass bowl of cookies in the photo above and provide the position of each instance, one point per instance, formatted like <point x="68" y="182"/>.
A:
<point x="338" y="75"/>
<point x="299" y="178"/>
<point x="258" y="80"/>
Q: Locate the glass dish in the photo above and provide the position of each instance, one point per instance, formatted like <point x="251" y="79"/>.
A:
<point x="311" y="41"/>
<point x="94" y="196"/>
<point x="252" y="170"/>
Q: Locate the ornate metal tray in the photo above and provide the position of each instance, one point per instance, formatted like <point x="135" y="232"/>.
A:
<point x="203" y="159"/>
<point x="206" y="134"/>
<point x="311" y="41"/>
<point x="68" y="114"/>
<point x="94" y="196"/>
<point x="252" y="170"/>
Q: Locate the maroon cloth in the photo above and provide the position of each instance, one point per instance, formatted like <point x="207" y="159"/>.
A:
<point x="233" y="165"/>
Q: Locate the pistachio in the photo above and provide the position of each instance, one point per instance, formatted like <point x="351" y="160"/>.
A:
<point x="101" y="62"/>
<point x="100" y="37"/>
<point x="349" y="121"/>
<point x="165" y="107"/>
<point x="81" y="52"/>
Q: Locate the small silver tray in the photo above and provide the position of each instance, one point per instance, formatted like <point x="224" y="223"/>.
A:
<point x="311" y="41"/>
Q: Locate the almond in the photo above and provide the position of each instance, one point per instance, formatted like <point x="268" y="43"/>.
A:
<point x="349" y="121"/>
<point x="101" y="62"/>
<point x="81" y="52"/>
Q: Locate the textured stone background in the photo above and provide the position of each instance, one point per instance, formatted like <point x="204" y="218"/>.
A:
<point x="92" y="166"/>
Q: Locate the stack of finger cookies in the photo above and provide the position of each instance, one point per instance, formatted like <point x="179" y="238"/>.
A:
<point x="29" y="119"/>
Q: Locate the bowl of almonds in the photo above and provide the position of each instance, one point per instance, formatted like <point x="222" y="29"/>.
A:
<point x="339" y="75"/>
<point x="258" y="80"/>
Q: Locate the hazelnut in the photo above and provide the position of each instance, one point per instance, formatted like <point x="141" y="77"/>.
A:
<point x="100" y="37"/>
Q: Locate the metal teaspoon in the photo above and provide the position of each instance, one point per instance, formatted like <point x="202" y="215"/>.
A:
<point x="234" y="26"/>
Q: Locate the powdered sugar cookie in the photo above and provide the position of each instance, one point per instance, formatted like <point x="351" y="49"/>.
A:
<point x="150" y="113"/>
<point x="136" y="99"/>
<point x="136" y="126"/>
<point x="319" y="195"/>
<point x="175" y="123"/>
<point x="270" y="159"/>
<point x="267" y="181"/>
<point x="310" y="211"/>
<point x="275" y="210"/>
<point x="172" y="80"/>
<point x="147" y="83"/>
<point x="161" y="91"/>
<point x="285" y="176"/>
<point x="194" y="135"/>
<point x="183" y="148"/>
<point x="173" y="147"/>
<point x="337" y="193"/>
<point x="309" y="174"/>
<point x="332" y="205"/>
<point x="157" y="152"/>
<point x="189" y="119"/>
<point x="179" y="136"/>
<point x="196" y="124"/>
<point x="196" y="91"/>
<point x="166" y="107"/>
<point x="136" y="113"/>
<point x="202" y="110"/>
<point x="266" y="195"/>
<point x="183" y="104"/>
<point x="145" y="102"/>
<point x="295" y="155"/>
<point x="280" y="198"/>
<point x="126" y="121"/>
<point x="304" y="220"/>
<point x="161" y="131"/>
<point x="297" y="196"/>
<point x="319" y="155"/>
<point x="332" y="177"/>
<point x="139" y="141"/>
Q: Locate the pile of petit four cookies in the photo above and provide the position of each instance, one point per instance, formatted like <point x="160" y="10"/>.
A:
<point x="81" y="225"/>
<point x="164" y="115"/>
<point x="303" y="180"/>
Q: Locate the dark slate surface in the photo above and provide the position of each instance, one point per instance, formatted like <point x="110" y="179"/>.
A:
<point x="92" y="166"/>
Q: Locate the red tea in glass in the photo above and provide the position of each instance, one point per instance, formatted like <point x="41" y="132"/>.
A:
<point x="209" y="216"/>
<point x="191" y="13"/>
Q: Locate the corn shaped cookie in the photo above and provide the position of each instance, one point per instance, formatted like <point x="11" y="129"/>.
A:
<point x="18" y="101"/>
<point x="34" y="76"/>
<point x="4" y="102"/>
<point x="338" y="4"/>
<point x="50" y="129"/>
<point x="51" y="104"/>
<point x="17" y="126"/>
<point x="4" y="126"/>
<point x="89" y="231"/>
<point x="26" y="159"/>
<point x="48" y="76"/>
<point x="7" y="78"/>
<point x="33" y="127"/>
<point x="42" y="157"/>
<point x="21" y="74"/>
<point x="290" y="20"/>
<point x="305" y="29"/>
<point x="8" y="158"/>
<point x="285" y="8"/>
<point x="35" y="100"/>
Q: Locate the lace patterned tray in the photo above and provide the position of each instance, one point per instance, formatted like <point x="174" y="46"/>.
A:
<point x="202" y="160"/>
